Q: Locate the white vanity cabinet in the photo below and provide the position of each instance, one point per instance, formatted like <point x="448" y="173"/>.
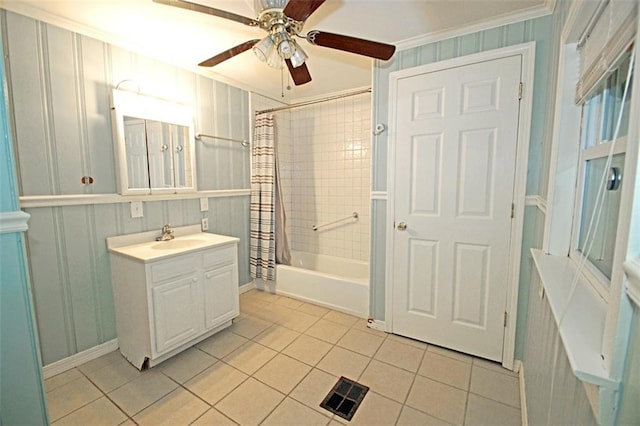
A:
<point x="170" y="295"/>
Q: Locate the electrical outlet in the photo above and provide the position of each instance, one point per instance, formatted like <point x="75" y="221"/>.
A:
<point x="205" y="224"/>
<point x="136" y="209"/>
<point x="204" y="204"/>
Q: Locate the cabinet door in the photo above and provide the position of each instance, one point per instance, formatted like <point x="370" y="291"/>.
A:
<point x="220" y="295"/>
<point x="176" y="312"/>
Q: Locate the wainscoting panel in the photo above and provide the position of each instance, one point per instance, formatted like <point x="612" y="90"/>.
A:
<point x="554" y="394"/>
<point x="60" y="85"/>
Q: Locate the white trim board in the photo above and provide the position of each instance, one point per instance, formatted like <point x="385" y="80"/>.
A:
<point x="379" y="195"/>
<point x="527" y="50"/>
<point x="579" y="313"/>
<point x="247" y="287"/>
<point x="536" y="201"/>
<point x="80" y="358"/>
<point x="375" y="324"/>
<point x="11" y="222"/>
<point x="33" y="201"/>
<point x="519" y="367"/>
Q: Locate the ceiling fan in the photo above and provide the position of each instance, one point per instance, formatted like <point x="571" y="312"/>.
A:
<point x="283" y="20"/>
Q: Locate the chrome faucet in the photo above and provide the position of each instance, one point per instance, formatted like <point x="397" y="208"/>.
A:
<point x="167" y="234"/>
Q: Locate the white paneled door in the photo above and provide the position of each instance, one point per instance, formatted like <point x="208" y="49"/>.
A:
<point x="455" y="159"/>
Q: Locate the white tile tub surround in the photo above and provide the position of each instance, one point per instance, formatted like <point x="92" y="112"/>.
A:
<point x="325" y="165"/>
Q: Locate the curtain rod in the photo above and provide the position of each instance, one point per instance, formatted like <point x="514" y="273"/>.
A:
<point x="301" y="104"/>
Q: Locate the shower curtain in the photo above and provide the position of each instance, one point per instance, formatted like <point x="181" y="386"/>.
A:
<point x="268" y="241"/>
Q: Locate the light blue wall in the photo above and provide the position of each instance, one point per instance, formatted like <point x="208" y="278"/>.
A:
<point x="630" y="402"/>
<point x="554" y="395"/>
<point x="22" y="398"/>
<point x="59" y="87"/>
<point x="542" y="31"/>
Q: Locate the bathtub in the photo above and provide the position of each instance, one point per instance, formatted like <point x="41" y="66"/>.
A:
<point x="332" y="282"/>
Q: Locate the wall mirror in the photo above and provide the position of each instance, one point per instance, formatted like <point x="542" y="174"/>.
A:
<point x="154" y="144"/>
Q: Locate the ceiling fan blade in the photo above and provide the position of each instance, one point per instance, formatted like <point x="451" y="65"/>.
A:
<point x="299" y="74"/>
<point x="228" y="54"/>
<point x="300" y="10"/>
<point x="210" y="11"/>
<point x="372" y="49"/>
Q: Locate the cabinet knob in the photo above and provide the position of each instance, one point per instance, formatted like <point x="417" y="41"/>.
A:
<point x="194" y="280"/>
<point x="208" y="276"/>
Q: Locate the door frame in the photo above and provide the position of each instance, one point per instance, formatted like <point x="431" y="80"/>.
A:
<point x="527" y="51"/>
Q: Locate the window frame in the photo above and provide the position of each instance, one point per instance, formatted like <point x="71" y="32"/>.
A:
<point x="601" y="150"/>
<point x="558" y="206"/>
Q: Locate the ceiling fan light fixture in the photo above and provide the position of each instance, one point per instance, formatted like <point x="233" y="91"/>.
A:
<point x="299" y="56"/>
<point x="286" y="48"/>
<point x="263" y="48"/>
<point x="274" y="60"/>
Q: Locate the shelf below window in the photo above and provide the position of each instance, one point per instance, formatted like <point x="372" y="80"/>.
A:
<point x="580" y="317"/>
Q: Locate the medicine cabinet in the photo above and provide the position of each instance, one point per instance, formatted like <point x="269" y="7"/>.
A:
<point x="154" y="145"/>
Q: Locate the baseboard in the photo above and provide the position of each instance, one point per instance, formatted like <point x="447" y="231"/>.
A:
<point x="247" y="287"/>
<point x="80" y="358"/>
<point x="523" y="399"/>
<point x="377" y="325"/>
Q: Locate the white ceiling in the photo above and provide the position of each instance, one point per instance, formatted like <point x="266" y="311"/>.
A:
<point x="185" y="38"/>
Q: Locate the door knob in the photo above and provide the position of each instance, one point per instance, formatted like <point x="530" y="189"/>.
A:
<point x="401" y="226"/>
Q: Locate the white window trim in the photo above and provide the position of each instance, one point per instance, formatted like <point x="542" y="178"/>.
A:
<point x="590" y="272"/>
<point x="562" y="194"/>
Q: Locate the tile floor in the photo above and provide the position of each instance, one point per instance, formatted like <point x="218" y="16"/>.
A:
<point x="275" y="365"/>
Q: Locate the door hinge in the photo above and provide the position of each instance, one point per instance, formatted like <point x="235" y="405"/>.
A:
<point x="520" y="91"/>
<point x="505" y="318"/>
<point x="513" y="210"/>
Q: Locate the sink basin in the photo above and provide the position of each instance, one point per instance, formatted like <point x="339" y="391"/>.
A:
<point x="143" y="247"/>
<point x="177" y="244"/>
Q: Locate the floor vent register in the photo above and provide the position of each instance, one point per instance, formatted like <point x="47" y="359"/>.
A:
<point x="345" y="398"/>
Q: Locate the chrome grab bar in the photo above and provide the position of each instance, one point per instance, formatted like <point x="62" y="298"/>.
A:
<point x="244" y="143"/>
<point x="353" y="215"/>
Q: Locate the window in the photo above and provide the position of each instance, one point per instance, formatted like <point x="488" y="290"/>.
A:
<point x="602" y="158"/>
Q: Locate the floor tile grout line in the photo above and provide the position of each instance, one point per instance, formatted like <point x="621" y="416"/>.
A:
<point x="287" y="395"/>
<point x="312" y="367"/>
<point x="333" y="345"/>
<point x="495" y="400"/>
<point x="355" y="325"/>
<point x="277" y="353"/>
<point x="406" y="397"/>
<point x="103" y="394"/>
<point x="507" y="372"/>
<point x="152" y="403"/>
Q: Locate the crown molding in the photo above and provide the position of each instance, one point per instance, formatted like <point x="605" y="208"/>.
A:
<point x="499" y="21"/>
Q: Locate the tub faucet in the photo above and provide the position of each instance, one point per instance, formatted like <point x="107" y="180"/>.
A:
<point x="167" y="234"/>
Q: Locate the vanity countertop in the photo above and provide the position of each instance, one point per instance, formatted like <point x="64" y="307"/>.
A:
<point x="150" y="251"/>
